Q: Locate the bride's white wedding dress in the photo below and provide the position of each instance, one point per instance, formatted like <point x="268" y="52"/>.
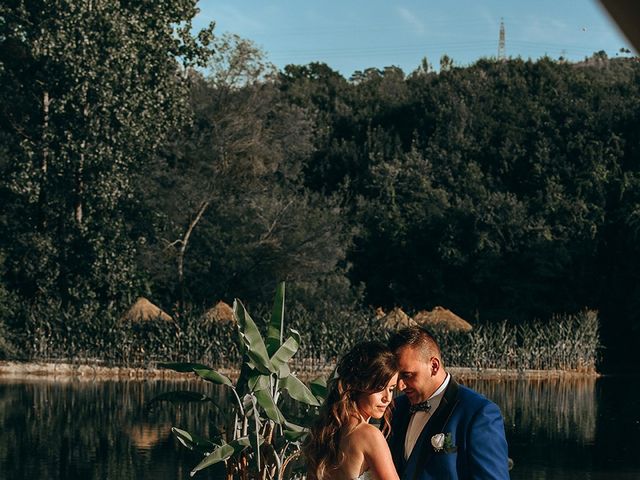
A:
<point x="366" y="476"/>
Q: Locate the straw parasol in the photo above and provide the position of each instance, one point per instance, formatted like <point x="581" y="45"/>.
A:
<point x="221" y="313"/>
<point x="395" y="319"/>
<point x="444" y="319"/>
<point x="143" y="311"/>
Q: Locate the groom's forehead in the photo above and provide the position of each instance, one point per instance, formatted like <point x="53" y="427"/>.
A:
<point x="409" y="358"/>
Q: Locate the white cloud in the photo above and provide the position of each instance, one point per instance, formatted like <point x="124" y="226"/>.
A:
<point x="411" y="19"/>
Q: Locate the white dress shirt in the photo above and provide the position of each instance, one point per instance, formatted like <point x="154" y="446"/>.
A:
<point x="419" y="419"/>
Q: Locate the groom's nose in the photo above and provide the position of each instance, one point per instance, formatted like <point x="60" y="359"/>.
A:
<point x="401" y="385"/>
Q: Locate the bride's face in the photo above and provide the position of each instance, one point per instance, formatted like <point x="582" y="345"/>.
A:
<point x="373" y="405"/>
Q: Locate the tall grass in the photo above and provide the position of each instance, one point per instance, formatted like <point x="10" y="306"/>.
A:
<point x="564" y="342"/>
<point x="107" y="340"/>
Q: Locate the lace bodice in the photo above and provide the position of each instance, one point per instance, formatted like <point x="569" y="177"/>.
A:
<point x="366" y="476"/>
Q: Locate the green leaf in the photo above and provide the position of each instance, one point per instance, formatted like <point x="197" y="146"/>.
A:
<point x="276" y="326"/>
<point x="254" y="432"/>
<point x="220" y="454"/>
<point x="294" y="436"/>
<point x="259" y="382"/>
<point x="293" y="427"/>
<point x="318" y="387"/>
<point x="284" y="371"/>
<point x="247" y="404"/>
<point x="257" y="362"/>
<point x="213" y="376"/>
<point x="299" y="391"/>
<point x="241" y="443"/>
<point x="286" y="351"/>
<point x="181" y="396"/>
<point x="265" y="400"/>
<point x="256" y="349"/>
<point x="192" y="442"/>
<point x="183" y="367"/>
<point x="223" y="452"/>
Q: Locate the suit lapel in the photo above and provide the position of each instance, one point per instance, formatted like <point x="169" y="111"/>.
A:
<point x="399" y="431"/>
<point x="435" y="425"/>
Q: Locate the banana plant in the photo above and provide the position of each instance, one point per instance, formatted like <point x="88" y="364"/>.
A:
<point x="256" y="441"/>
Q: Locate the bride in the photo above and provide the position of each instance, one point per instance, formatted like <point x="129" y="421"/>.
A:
<point x="342" y="444"/>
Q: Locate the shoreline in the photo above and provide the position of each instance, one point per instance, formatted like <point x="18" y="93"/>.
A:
<point x="463" y="373"/>
<point x="54" y="370"/>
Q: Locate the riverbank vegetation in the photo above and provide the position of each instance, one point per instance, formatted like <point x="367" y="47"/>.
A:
<point x="569" y="343"/>
<point x="188" y="170"/>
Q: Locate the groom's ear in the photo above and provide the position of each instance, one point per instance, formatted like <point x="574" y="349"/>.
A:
<point x="435" y="365"/>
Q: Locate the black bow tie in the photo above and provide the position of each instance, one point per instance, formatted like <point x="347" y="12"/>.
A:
<point x="420" y="407"/>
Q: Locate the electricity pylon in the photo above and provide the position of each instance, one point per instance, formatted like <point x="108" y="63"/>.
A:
<point x="501" y="49"/>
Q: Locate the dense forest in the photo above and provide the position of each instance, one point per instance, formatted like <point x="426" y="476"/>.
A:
<point x="139" y="160"/>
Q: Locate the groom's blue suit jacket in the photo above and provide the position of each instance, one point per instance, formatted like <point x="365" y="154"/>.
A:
<point x="479" y="447"/>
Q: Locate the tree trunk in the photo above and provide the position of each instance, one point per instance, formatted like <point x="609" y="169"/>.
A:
<point x="45" y="127"/>
<point x="79" y="188"/>
<point x="183" y="246"/>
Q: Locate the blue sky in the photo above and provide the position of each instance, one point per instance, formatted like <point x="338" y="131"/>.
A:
<point x="352" y="35"/>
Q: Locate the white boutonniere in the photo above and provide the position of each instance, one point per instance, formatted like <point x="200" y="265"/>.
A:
<point x="443" y="443"/>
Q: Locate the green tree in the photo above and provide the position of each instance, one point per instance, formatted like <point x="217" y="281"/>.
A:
<point x="89" y="91"/>
<point x="244" y="215"/>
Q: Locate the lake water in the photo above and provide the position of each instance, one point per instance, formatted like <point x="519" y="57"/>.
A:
<point x="79" y="429"/>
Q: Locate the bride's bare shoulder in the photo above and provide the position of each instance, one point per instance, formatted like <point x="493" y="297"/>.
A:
<point x="366" y="433"/>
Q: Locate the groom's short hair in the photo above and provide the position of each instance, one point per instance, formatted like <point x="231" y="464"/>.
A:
<point x="416" y="337"/>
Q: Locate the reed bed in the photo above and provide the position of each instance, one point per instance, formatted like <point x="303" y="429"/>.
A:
<point x="564" y="342"/>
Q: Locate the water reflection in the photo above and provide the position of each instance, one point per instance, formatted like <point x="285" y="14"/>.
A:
<point x="77" y="429"/>
<point x="569" y="429"/>
<point x="558" y="409"/>
<point x="71" y="429"/>
<point x="145" y="436"/>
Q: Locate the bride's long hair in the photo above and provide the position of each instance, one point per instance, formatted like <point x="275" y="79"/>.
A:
<point x="365" y="369"/>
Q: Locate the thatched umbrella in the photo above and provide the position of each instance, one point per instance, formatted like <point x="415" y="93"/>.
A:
<point x="143" y="311"/>
<point x="221" y="313"/>
<point x="396" y="319"/>
<point x="444" y="319"/>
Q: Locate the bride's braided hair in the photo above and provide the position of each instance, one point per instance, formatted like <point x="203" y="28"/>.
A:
<point x="365" y="369"/>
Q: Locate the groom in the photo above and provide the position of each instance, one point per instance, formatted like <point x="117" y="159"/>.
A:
<point x="441" y="429"/>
